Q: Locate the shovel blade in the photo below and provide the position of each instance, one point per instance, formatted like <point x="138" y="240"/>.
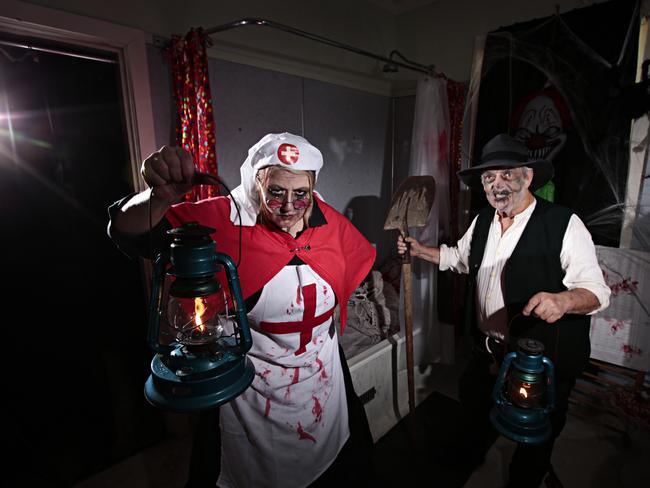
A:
<point x="411" y="203"/>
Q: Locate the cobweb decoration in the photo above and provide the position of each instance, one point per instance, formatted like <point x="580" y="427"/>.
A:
<point x="587" y="56"/>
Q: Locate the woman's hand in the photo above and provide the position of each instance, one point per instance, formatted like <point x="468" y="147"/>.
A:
<point x="169" y="173"/>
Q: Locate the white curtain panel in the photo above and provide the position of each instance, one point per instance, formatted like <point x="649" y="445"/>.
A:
<point x="430" y="156"/>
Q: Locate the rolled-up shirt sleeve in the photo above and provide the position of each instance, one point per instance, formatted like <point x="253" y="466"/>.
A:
<point x="456" y="258"/>
<point x="579" y="261"/>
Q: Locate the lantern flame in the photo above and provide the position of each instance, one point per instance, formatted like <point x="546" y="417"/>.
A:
<point x="523" y="392"/>
<point x="199" y="310"/>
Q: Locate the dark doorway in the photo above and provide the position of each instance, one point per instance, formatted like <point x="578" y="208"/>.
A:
<point x="75" y="316"/>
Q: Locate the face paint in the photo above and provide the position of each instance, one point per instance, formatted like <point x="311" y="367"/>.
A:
<point x="277" y="197"/>
<point x="505" y="189"/>
<point x="286" y="197"/>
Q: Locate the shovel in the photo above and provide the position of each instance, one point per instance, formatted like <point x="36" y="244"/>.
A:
<point x="410" y="207"/>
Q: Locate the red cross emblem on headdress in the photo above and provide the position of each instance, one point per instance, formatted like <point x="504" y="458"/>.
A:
<point x="288" y="154"/>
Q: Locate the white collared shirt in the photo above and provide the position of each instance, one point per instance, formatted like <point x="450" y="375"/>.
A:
<point x="578" y="259"/>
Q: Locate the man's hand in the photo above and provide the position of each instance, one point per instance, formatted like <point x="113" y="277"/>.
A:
<point x="409" y="244"/>
<point x="418" y="250"/>
<point x="550" y="307"/>
<point x="169" y="173"/>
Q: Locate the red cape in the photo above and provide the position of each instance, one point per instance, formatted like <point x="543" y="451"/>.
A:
<point x="336" y="251"/>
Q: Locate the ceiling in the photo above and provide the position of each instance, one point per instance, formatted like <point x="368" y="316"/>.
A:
<point x="400" y="6"/>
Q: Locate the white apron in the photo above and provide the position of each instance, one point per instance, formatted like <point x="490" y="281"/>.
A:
<point x="288" y="427"/>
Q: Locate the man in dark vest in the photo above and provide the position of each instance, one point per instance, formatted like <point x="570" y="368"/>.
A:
<point x="533" y="273"/>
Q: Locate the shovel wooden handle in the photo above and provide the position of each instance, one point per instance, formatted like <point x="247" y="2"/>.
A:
<point x="408" y="319"/>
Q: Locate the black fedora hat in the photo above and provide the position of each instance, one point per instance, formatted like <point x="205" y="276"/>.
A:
<point x="504" y="151"/>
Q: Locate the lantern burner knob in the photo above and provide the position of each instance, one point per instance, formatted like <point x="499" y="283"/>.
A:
<point x="530" y="347"/>
<point x="191" y="229"/>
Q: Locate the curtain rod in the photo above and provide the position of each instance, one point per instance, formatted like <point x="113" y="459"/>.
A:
<point x="32" y="47"/>
<point x="391" y="63"/>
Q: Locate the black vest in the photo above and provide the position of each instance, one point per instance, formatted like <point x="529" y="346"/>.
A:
<point x="535" y="266"/>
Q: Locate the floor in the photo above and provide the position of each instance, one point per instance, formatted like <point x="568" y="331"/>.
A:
<point x="593" y="451"/>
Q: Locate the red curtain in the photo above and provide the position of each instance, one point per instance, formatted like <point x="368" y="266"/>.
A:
<point x="193" y="98"/>
<point x="456" y="93"/>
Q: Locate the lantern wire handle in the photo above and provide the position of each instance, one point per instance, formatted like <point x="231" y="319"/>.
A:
<point x="201" y="178"/>
<point x="513" y="318"/>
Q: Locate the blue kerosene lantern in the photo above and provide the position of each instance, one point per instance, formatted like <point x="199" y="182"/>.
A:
<point x="203" y="364"/>
<point x="524" y="394"/>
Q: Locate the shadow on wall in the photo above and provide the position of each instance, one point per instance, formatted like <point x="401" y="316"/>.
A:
<point x="368" y="213"/>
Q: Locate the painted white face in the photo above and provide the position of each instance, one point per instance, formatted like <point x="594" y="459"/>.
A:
<point x="286" y="196"/>
<point x="540" y="128"/>
<point x="505" y="189"/>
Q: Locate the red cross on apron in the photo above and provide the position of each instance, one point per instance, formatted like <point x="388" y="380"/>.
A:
<point x="305" y="326"/>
